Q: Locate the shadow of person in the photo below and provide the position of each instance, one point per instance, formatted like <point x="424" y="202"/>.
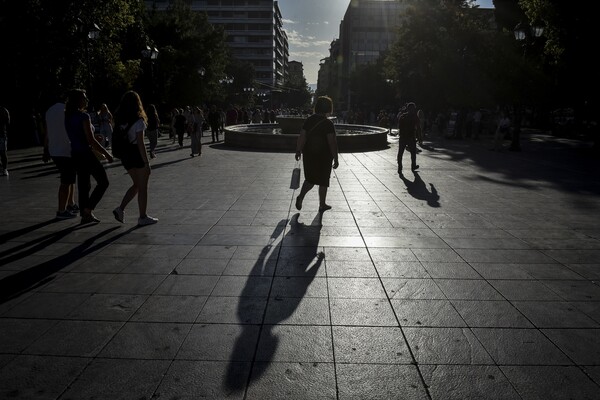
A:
<point x="10" y="235"/>
<point x="418" y="190"/>
<point x="14" y="285"/>
<point x="301" y="260"/>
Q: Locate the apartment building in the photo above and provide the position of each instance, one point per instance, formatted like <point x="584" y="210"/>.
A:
<point x="254" y="33"/>
<point x="367" y="30"/>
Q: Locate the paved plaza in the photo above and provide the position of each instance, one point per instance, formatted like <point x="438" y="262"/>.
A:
<point x="478" y="277"/>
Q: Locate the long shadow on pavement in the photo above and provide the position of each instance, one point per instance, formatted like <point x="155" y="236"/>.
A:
<point x="418" y="190"/>
<point x="305" y="261"/>
<point x="5" y="237"/>
<point x="38" y="275"/>
<point x="568" y="165"/>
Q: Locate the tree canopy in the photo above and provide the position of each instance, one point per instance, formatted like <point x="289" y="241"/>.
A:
<point x="53" y="48"/>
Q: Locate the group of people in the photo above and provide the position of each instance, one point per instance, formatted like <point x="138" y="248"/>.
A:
<point x="76" y="149"/>
<point x="191" y="121"/>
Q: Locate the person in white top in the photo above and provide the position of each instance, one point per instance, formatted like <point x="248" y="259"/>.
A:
<point x="131" y="115"/>
<point x="58" y="147"/>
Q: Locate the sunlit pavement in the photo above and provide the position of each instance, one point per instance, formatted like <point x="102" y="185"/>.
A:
<point x="474" y="278"/>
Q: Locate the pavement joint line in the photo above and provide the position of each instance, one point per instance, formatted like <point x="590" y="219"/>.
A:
<point x="404" y="337"/>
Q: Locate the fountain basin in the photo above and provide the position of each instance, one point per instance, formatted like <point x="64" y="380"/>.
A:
<point x="350" y="138"/>
<point x="291" y="124"/>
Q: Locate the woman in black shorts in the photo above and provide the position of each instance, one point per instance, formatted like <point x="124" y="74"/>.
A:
<point x="131" y="115"/>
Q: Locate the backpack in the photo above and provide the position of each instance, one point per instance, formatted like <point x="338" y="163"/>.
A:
<point x="120" y="140"/>
<point x="406" y="125"/>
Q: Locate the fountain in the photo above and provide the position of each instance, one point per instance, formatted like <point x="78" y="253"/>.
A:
<point x="283" y="135"/>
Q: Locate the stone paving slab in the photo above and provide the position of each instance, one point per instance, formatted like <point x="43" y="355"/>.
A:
<point x="475" y="278"/>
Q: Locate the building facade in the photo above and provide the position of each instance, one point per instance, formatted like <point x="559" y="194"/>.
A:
<point x="296" y="73"/>
<point x="366" y="32"/>
<point x="254" y="31"/>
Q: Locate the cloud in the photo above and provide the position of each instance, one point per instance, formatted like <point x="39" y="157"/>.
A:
<point x="303" y="55"/>
<point x="296" y="39"/>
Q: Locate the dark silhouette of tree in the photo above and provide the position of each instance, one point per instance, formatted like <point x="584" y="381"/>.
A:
<point x="187" y="42"/>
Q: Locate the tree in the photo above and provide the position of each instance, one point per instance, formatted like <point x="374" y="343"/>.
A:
<point x="187" y="43"/>
<point x="236" y="93"/>
<point x="50" y="52"/>
<point x="568" y="39"/>
<point x="445" y="56"/>
<point x="371" y="89"/>
<point x="297" y="94"/>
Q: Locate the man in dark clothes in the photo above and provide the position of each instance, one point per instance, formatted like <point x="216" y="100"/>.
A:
<point x="408" y="126"/>
<point x="214" y="120"/>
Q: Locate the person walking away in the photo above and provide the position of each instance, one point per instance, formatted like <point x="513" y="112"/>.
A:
<point x="131" y="119"/>
<point x="4" y="123"/>
<point x="83" y="141"/>
<point x="172" y="131"/>
<point x="189" y="118"/>
<point x="180" y="125"/>
<point x="222" y="121"/>
<point x="58" y="147"/>
<point x="408" y="125"/>
<point x="196" y="145"/>
<point x="106" y="123"/>
<point x="152" y="131"/>
<point x="317" y="146"/>
<point x="214" y="121"/>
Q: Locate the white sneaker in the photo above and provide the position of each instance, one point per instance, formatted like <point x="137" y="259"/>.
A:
<point x="147" y="220"/>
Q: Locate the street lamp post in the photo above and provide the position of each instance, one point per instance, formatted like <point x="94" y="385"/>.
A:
<point x="92" y="35"/>
<point x="151" y="54"/>
<point x="250" y="91"/>
<point x="525" y="34"/>
<point x="226" y="81"/>
<point x="201" y="72"/>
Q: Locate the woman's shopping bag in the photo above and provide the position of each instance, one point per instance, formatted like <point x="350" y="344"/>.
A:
<point x="295" y="182"/>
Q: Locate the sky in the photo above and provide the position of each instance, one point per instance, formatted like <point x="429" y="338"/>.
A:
<point x="311" y="26"/>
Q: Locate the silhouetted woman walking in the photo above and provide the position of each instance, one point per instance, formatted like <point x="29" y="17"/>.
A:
<point x="317" y="142"/>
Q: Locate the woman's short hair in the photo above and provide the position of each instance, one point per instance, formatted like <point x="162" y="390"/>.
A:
<point x="323" y="105"/>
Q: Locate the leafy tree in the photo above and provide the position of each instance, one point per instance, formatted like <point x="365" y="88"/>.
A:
<point x="50" y="52"/>
<point x="369" y="84"/>
<point x="445" y="55"/>
<point x="297" y="94"/>
<point x="564" y="49"/>
<point x="243" y="75"/>
<point x="187" y="43"/>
